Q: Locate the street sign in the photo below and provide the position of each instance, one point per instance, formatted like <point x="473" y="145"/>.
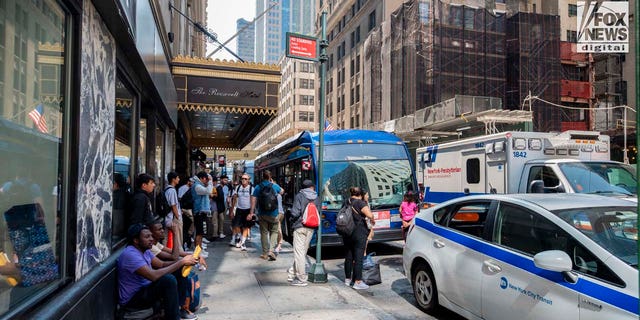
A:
<point x="302" y="47"/>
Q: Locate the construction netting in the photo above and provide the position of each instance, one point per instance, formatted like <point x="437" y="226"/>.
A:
<point x="430" y="51"/>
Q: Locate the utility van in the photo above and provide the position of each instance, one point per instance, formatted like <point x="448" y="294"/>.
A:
<point x="523" y="162"/>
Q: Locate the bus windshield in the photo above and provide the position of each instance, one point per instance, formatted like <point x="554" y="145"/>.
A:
<point x="385" y="180"/>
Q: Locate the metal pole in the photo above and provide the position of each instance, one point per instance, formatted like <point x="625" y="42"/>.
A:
<point x="636" y="25"/>
<point x="317" y="273"/>
<point x="625" y="157"/>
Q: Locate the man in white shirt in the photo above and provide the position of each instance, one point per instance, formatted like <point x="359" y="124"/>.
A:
<point x="175" y="217"/>
<point x="241" y="202"/>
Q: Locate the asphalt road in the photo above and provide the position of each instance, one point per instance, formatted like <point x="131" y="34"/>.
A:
<point x="394" y="295"/>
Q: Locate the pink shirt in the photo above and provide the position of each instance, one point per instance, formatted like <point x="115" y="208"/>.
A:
<point x="408" y="210"/>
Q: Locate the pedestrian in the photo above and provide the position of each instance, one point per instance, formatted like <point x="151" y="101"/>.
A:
<point x="357" y="241"/>
<point x="302" y="235"/>
<point x="144" y="279"/>
<point x="239" y="213"/>
<point x="264" y="201"/>
<point x="280" y="217"/>
<point x="218" y="215"/>
<point x="141" y="208"/>
<point x="201" y="206"/>
<point x="213" y="213"/>
<point x="185" y="197"/>
<point x="175" y="217"/>
<point x="408" y="210"/>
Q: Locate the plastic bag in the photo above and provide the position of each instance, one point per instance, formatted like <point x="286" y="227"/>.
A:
<point x="371" y="276"/>
<point x="368" y="262"/>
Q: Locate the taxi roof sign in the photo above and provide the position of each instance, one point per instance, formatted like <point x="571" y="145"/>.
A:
<point x="302" y="47"/>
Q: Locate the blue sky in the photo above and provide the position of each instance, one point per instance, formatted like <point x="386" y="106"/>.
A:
<point x="221" y="18"/>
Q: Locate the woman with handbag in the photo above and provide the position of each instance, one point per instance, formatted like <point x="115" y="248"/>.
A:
<point x="357" y="241"/>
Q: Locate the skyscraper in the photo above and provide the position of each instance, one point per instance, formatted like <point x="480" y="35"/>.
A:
<point x="246" y="40"/>
<point x="271" y="30"/>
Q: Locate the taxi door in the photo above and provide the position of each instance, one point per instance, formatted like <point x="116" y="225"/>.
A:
<point x="512" y="286"/>
<point x="454" y="247"/>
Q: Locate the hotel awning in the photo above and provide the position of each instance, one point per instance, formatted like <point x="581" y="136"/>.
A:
<point x="224" y="104"/>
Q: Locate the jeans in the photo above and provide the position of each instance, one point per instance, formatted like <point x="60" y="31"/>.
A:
<point x="355" y="245"/>
<point x="301" y="239"/>
<point x="166" y="289"/>
<point x="268" y="233"/>
<point x="217" y="220"/>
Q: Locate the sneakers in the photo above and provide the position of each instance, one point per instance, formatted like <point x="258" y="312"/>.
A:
<point x="290" y="278"/>
<point x="222" y="236"/>
<point x="243" y="247"/>
<point x="186" y="314"/>
<point x="360" y="286"/>
<point x="233" y="241"/>
<point x="298" y="283"/>
<point x="347" y="282"/>
<point x="272" y="257"/>
<point x="204" y="254"/>
<point x="205" y="241"/>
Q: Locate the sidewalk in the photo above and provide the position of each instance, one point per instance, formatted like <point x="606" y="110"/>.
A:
<point x="240" y="285"/>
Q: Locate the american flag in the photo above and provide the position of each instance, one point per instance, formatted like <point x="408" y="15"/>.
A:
<point x="37" y="115"/>
<point x="328" y="126"/>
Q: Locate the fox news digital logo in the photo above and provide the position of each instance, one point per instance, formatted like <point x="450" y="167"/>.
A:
<point x="603" y="26"/>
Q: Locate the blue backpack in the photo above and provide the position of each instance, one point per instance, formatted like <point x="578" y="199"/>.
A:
<point x="192" y="301"/>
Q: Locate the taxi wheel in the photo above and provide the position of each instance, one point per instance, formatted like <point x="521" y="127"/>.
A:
<point x="424" y="288"/>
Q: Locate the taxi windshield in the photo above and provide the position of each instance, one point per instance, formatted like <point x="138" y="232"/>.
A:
<point x="613" y="228"/>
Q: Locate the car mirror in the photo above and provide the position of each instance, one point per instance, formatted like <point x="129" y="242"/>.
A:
<point x="553" y="260"/>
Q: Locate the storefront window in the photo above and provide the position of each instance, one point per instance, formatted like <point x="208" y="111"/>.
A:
<point x="142" y="147"/>
<point x="32" y="104"/>
<point x="159" y="157"/>
<point x="122" y="175"/>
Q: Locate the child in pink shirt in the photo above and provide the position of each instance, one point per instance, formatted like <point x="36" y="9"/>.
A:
<point x="408" y="210"/>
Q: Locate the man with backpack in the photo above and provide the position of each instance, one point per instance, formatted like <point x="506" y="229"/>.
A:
<point x="265" y="200"/>
<point x="305" y="200"/>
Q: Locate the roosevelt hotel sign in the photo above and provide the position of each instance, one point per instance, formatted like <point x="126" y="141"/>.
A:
<point x="603" y="26"/>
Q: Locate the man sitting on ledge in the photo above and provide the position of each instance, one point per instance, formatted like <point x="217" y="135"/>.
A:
<point x="144" y="279"/>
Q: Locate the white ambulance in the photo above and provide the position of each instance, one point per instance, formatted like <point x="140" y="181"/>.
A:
<point x="523" y="162"/>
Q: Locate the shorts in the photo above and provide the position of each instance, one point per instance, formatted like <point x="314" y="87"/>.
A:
<point x="240" y="219"/>
<point x="200" y="223"/>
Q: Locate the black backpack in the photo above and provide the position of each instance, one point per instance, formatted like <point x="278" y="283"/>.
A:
<point x="267" y="199"/>
<point x="186" y="202"/>
<point x="345" y="224"/>
<point x="162" y="204"/>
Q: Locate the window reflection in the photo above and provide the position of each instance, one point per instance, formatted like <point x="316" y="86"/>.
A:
<point x="124" y="117"/>
<point x="32" y="51"/>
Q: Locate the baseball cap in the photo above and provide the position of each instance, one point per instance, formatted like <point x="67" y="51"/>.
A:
<point x="307" y="183"/>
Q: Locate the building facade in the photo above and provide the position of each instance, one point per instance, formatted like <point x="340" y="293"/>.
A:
<point x="297" y="107"/>
<point x="87" y="94"/>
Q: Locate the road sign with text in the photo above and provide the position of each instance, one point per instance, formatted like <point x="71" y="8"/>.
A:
<point x="302" y="47"/>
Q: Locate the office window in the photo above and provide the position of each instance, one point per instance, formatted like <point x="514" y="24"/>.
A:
<point x="573" y="10"/>
<point x="572" y="36"/>
<point x="372" y="20"/>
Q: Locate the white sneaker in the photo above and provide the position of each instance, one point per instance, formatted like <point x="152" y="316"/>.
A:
<point x="347" y="282"/>
<point x="222" y="236"/>
<point x="203" y="246"/>
<point x="232" y="242"/>
<point x="243" y="247"/>
<point x="360" y="286"/>
<point x="204" y="254"/>
<point x="205" y="241"/>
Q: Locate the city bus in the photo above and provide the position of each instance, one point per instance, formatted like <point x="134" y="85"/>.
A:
<point x="377" y="161"/>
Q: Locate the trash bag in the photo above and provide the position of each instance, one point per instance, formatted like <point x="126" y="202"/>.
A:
<point x="371" y="276"/>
